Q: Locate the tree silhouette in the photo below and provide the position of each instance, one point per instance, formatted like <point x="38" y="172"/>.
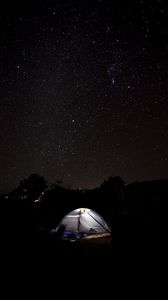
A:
<point x="114" y="188"/>
<point x="30" y="188"/>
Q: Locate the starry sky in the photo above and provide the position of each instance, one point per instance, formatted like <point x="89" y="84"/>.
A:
<point x="83" y="91"/>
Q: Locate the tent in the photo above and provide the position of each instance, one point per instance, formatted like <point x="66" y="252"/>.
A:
<point x="81" y="222"/>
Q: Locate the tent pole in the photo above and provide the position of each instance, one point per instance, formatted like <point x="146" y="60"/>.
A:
<point x="79" y="220"/>
<point x="98" y="222"/>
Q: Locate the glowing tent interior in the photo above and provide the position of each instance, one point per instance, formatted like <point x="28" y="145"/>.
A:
<point x="81" y="222"/>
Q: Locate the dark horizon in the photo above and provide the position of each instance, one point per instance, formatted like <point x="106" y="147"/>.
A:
<point x="89" y="188"/>
<point x="83" y="91"/>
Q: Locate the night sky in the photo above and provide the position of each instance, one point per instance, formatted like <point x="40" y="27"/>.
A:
<point x="83" y="91"/>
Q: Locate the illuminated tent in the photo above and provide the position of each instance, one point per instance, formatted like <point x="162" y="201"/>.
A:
<point x="81" y="222"/>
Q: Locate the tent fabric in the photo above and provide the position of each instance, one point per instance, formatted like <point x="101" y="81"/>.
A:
<point x="81" y="222"/>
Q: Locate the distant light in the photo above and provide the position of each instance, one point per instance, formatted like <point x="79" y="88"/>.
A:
<point x="37" y="200"/>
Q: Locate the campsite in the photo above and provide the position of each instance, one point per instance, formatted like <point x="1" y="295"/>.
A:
<point x="117" y="225"/>
<point x="126" y="247"/>
<point x="83" y="145"/>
